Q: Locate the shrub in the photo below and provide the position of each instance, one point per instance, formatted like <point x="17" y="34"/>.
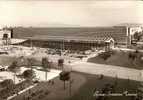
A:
<point x="28" y="74"/>
<point x="132" y="56"/>
<point x="106" y="55"/>
<point x="4" y="93"/>
<point x="7" y="83"/>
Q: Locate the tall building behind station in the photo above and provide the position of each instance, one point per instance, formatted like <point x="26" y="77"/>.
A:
<point x="131" y="30"/>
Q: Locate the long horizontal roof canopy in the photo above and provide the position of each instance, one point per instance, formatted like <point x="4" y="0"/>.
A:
<point x="71" y="38"/>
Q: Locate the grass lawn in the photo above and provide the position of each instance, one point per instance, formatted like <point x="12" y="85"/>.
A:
<point x="119" y="58"/>
<point x="82" y="88"/>
<point x="92" y="81"/>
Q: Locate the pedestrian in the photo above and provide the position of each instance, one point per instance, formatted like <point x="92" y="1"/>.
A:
<point x="49" y="81"/>
<point x="24" y="97"/>
<point x="52" y="82"/>
<point x="17" y="93"/>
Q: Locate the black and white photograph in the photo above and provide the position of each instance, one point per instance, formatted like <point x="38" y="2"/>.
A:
<point x="71" y="50"/>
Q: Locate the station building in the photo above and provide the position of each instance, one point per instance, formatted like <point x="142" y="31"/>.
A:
<point x="78" y="38"/>
<point x="72" y="43"/>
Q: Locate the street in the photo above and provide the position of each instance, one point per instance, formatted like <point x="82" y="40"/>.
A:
<point x="107" y="70"/>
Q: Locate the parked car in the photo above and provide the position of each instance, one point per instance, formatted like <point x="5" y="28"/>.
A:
<point x="2" y="68"/>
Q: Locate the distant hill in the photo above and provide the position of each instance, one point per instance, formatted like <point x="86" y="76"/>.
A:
<point x="130" y="24"/>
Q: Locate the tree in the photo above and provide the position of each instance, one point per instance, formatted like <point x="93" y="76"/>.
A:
<point x="133" y="55"/>
<point x="30" y="62"/>
<point x="28" y="74"/>
<point x="46" y="65"/>
<point x="61" y="63"/>
<point x="137" y="35"/>
<point x="14" y="68"/>
<point x="64" y="76"/>
<point x="105" y="55"/>
<point x="7" y="83"/>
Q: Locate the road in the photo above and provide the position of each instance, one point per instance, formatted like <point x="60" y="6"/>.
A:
<point x="107" y="70"/>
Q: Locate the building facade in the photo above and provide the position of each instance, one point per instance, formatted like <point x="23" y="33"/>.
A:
<point x="71" y="43"/>
<point x="5" y="36"/>
<point x="74" y="37"/>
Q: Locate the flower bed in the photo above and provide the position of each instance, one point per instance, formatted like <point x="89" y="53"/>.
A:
<point x="37" y="95"/>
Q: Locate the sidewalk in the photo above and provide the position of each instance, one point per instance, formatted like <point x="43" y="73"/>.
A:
<point x="126" y="49"/>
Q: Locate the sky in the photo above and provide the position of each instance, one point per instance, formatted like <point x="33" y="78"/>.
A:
<point x="48" y="13"/>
